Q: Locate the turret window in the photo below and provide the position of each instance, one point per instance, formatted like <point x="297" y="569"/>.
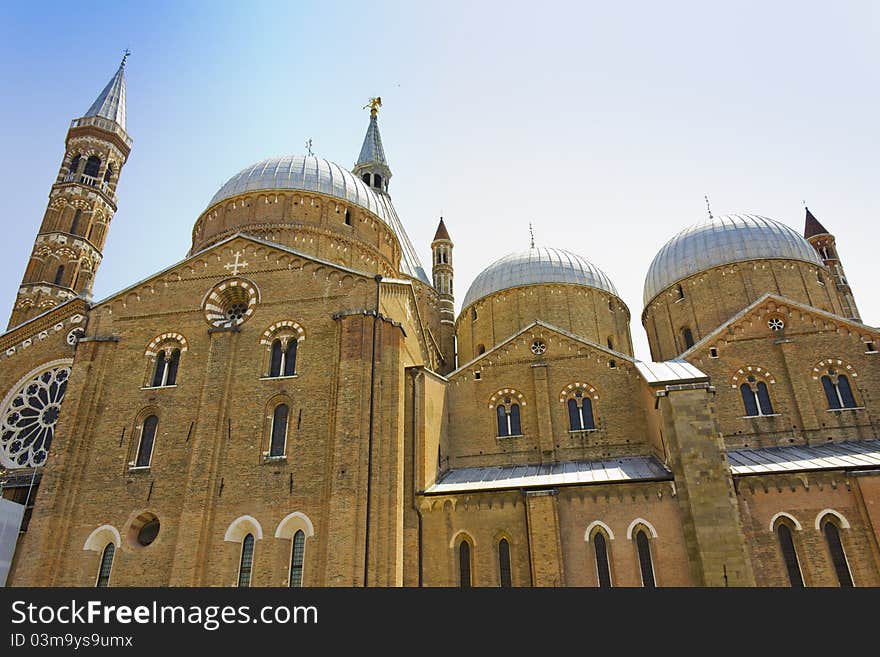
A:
<point x="93" y="165"/>
<point x="580" y="412"/>
<point x="165" y="373"/>
<point x="366" y="178"/>
<point x="74" y="227"/>
<point x="756" y="397"/>
<point x="837" y="390"/>
<point x="680" y="290"/>
<point x="59" y="274"/>
<point x="74" y="164"/>
<point x="348" y="217"/>
<point x="377" y="180"/>
<point x="108" y="173"/>
<point x="507" y="414"/>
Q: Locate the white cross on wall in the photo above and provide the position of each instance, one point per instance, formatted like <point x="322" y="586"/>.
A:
<point x="235" y="265"/>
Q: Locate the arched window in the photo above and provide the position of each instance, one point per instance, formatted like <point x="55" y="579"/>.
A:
<point x="59" y="274"/>
<point x="504" y="563"/>
<point x="247" y="561"/>
<point x="75" y="225"/>
<point x="145" y="445"/>
<point x="296" y="559"/>
<point x="688" y="337"/>
<point x="92" y="166"/>
<point x="473" y="314"/>
<point x="580" y="412"/>
<point x="167" y="364"/>
<point x="838" y="556"/>
<point x="377" y="180"/>
<point x="106" y="566"/>
<point x="108" y="173"/>
<point x="756" y="397"/>
<point x="645" y="565"/>
<point x="348" y="217"/>
<point x="464" y="564"/>
<point x="680" y="291"/>
<point x="610" y="342"/>
<point x="837" y="390"/>
<point x="481" y="349"/>
<point x="366" y="178"/>
<point x="508" y="419"/>
<point x="74" y="164"/>
<point x="603" y="570"/>
<point x="279" y="430"/>
<point x="789" y="555"/>
<point x="283" y="359"/>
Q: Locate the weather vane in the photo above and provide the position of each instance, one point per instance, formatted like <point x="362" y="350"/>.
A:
<point x="374" y="104"/>
<point x="708" y="209"/>
<point x="125" y="56"/>
<point x="532" y="234"/>
<point x="309" y="147"/>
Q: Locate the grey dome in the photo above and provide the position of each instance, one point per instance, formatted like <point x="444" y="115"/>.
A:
<point x="315" y="174"/>
<point x="722" y="240"/>
<point x="534" y="266"/>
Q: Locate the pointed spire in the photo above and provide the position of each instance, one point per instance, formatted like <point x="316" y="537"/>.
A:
<point x="371" y="165"/>
<point x="442" y="233"/>
<point x="110" y="104"/>
<point x="812" y="226"/>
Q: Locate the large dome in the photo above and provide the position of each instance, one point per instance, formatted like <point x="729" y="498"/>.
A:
<point x="722" y="240"/>
<point x="315" y="174"/>
<point x="534" y="266"/>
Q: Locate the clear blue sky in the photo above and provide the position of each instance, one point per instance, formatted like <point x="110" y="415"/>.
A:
<point x="602" y="123"/>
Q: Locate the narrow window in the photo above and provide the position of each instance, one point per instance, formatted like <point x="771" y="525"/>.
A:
<point x="464" y="564"/>
<point x="59" y="274"/>
<point x="279" y="430"/>
<point x="296" y="559"/>
<point x="602" y="569"/>
<point x="749" y="400"/>
<point x="74" y="164"/>
<point x="290" y="358"/>
<point x="74" y="227"/>
<point x="473" y="314"/>
<point x="610" y="343"/>
<point x="764" y="399"/>
<point x="713" y="352"/>
<point x="688" y="337"/>
<point x="515" y="427"/>
<point x="348" y="217"/>
<point x="481" y="349"/>
<point x="504" y="562"/>
<point x="838" y="557"/>
<point x="645" y="564"/>
<point x="501" y="412"/>
<point x="161" y="368"/>
<point x="145" y="448"/>
<point x="574" y="416"/>
<point x="789" y="555"/>
<point x="587" y="413"/>
<point x="247" y="561"/>
<point x="173" y="364"/>
<point x="108" y="173"/>
<point x="92" y="166"/>
<point x="680" y="291"/>
<point x="106" y="566"/>
<point x="830" y="392"/>
<point x="870" y="347"/>
<point x="366" y="178"/>
<point x="275" y="362"/>
<point x="377" y="180"/>
<point x="846" y="396"/>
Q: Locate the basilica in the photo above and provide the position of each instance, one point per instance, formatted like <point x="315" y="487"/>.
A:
<point x="297" y="403"/>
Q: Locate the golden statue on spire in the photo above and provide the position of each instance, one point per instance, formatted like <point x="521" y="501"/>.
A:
<point x="374" y="104"/>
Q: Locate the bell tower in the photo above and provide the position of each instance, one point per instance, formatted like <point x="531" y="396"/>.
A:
<point x="82" y="201"/>
<point x="825" y="246"/>
<point x="441" y="252"/>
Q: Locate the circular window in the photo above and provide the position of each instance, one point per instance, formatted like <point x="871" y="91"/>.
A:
<point x="231" y="303"/>
<point x="28" y="418"/>
<point x="538" y="347"/>
<point x="776" y="324"/>
<point x="148" y="532"/>
<point x="74" y="336"/>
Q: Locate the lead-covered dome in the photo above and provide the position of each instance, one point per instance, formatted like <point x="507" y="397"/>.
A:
<point x="723" y="240"/>
<point x="535" y="266"/>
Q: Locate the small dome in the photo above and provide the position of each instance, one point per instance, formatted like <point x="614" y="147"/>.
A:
<point x="535" y="266"/>
<point x="306" y="173"/>
<point x="723" y="240"/>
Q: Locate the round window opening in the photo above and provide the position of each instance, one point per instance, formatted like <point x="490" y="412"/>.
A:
<point x="538" y="347"/>
<point x="231" y="303"/>
<point x="148" y="532"/>
<point x="776" y="324"/>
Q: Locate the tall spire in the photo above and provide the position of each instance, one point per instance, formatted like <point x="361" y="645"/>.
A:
<point x="110" y="103"/>
<point x="812" y="226"/>
<point x="371" y="165"/>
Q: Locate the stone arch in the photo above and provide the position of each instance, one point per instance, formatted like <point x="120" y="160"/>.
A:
<point x="571" y="388"/>
<point x="459" y="536"/>
<point x="153" y="347"/>
<point x="844" y="523"/>
<point x="598" y="524"/>
<point x="779" y="516"/>
<point x="644" y="523"/>
<point x="507" y="392"/>
<point x="287" y="327"/>
<point x="98" y="539"/>
<point x="751" y="370"/>
<point x="241" y="527"/>
<point x="842" y="366"/>
<point x="294" y="522"/>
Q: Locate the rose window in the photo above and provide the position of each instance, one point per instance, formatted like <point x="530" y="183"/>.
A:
<point x="27" y="421"/>
<point x="231" y="303"/>
<point x="776" y="324"/>
<point x="538" y="347"/>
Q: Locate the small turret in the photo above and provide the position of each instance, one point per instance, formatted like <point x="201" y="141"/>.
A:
<point x="824" y="243"/>
<point x="371" y="166"/>
<point x="441" y="250"/>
